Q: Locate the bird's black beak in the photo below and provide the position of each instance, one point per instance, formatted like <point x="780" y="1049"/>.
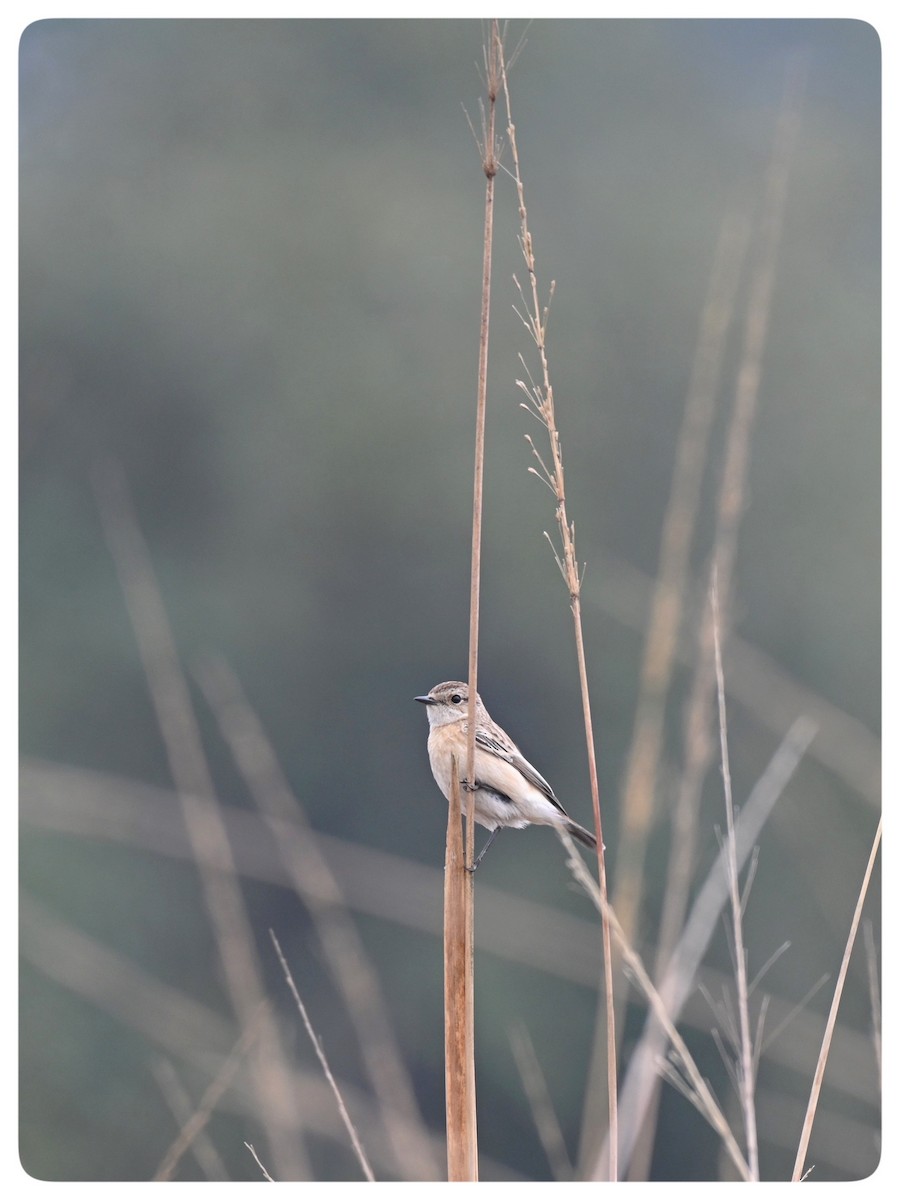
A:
<point x="425" y="699"/>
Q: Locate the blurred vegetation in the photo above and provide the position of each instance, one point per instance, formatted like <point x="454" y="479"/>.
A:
<point x="250" y="267"/>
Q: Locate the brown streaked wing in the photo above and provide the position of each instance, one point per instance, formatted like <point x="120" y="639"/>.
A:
<point x="511" y="755"/>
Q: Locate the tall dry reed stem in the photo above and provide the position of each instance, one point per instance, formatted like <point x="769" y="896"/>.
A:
<point x="541" y="404"/>
<point x="459" y="894"/>
<point x="489" y="165"/>
<point x="212" y="852"/>
<point x="459" y="981"/>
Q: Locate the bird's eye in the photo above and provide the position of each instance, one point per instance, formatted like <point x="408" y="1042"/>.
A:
<point x="456" y="698"/>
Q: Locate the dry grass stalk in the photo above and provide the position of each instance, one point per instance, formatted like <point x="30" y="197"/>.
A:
<point x="192" y="1034"/>
<point x="459" y="895"/>
<point x="746" y="1070"/>
<point x="540" y="404"/>
<point x="323" y="1062"/>
<point x="639" y="1088"/>
<point x="819" y="1075"/>
<point x="206" y="831"/>
<point x="689" y="1078"/>
<point x="317" y="885"/>
<point x="487" y="146"/>
<point x="265" y="1174"/>
<point x="459" y="1030"/>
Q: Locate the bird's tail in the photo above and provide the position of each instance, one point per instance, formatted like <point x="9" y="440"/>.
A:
<point x="582" y="835"/>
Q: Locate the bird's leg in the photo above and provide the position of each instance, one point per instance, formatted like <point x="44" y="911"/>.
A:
<point x="484" y="850"/>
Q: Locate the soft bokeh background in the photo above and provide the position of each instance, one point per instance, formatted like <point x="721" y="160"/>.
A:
<point x="250" y="265"/>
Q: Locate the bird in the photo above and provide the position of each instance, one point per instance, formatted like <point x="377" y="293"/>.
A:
<point x="508" y="792"/>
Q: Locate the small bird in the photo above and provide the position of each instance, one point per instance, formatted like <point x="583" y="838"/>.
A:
<point x="508" y="791"/>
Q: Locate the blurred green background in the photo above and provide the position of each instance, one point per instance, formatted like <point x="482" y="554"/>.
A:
<point x="250" y="271"/>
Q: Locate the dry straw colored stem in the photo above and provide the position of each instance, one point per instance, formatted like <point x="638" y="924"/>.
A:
<point x="679" y="977"/>
<point x="541" y="404"/>
<point x="816" y="1089"/>
<point x="323" y="1063"/>
<point x="265" y="1174"/>
<point x="489" y="165"/>
<point x="747" y="1065"/>
<point x="459" y="1033"/>
<point x="693" y="1082"/>
<point x="459" y="892"/>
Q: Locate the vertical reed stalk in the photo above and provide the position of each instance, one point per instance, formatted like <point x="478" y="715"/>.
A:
<point x="459" y="985"/>
<point x="459" y="900"/>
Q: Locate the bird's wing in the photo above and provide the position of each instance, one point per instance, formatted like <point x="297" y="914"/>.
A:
<point x="509" y="753"/>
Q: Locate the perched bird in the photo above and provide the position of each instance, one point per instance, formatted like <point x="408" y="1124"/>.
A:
<point x="507" y="790"/>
